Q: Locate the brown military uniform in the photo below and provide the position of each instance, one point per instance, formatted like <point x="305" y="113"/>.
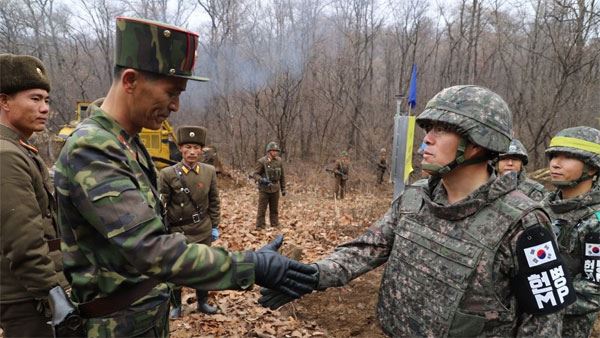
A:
<point x="210" y="156"/>
<point x="268" y="195"/>
<point x="340" y="171"/>
<point x="30" y="256"/>
<point x="202" y="183"/>
<point x="381" y="168"/>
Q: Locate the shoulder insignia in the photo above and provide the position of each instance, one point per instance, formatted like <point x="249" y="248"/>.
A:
<point x="543" y="284"/>
<point x="28" y="146"/>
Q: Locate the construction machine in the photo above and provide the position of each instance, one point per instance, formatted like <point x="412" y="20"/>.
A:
<point x="160" y="143"/>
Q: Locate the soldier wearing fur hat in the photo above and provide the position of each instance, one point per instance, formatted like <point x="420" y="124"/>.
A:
<point x="28" y="243"/>
<point x="269" y="174"/>
<point x="189" y="192"/>
<point x="574" y="155"/>
<point x="514" y="160"/>
<point x="119" y="255"/>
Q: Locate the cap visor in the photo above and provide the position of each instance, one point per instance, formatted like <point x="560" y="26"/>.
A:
<point x="194" y="78"/>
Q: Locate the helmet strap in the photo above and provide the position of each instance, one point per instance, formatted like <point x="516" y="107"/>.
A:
<point x="585" y="175"/>
<point x="459" y="160"/>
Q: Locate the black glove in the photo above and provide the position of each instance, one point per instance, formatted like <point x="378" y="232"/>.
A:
<point x="277" y="272"/>
<point x="283" y="193"/>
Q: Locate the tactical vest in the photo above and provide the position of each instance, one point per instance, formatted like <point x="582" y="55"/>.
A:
<point x="273" y="170"/>
<point x="439" y="266"/>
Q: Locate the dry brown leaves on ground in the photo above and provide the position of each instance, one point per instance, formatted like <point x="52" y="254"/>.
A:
<point x="313" y="223"/>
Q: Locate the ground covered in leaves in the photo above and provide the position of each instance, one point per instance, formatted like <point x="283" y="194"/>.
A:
<point x="313" y="222"/>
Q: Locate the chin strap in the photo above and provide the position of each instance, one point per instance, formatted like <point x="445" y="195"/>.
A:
<point x="438" y="170"/>
<point x="584" y="177"/>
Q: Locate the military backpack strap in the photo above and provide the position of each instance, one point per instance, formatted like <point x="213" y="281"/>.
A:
<point x="197" y="217"/>
<point x="543" y="284"/>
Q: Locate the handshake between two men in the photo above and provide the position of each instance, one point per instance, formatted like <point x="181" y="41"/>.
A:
<point x="283" y="279"/>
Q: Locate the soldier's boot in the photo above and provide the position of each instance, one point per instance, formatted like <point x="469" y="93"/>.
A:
<point x="274" y="220"/>
<point x="203" y="306"/>
<point x="176" y="300"/>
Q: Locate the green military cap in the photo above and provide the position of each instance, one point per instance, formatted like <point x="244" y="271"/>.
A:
<point x="191" y="134"/>
<point x="156" y="47"/>
<point x="22" y="72"/>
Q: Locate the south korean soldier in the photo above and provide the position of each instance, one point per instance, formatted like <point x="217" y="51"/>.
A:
<point x="574" y="206"/>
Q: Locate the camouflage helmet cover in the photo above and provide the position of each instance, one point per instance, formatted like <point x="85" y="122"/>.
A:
<point x="582" y="142"/>
<point x="516" y="149"/>
<point x="272" y="146"/>
<point x="343" y="153"/>
<point x="156" y="47"/>
<point x="477" y="113"/>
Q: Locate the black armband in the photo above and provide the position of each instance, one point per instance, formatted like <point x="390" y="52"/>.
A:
<point x="591" y="257"/>
<point x="543" y="284"/>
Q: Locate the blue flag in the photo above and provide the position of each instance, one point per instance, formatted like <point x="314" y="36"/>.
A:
<point x="412" y="90"/>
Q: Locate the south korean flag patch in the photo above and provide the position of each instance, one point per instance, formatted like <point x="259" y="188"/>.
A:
<point x="543" y="284"/>
<point x="591" y="257"/>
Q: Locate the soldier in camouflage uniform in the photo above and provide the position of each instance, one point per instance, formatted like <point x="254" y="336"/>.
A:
<point x="269" y="175"/>
<point x="574" y="155"/>
<point x="381" y="165"/>
<point x="341" y="169"/>
<point x="28" y="243"/>
<point x="514" y="160"/>
<point x="189" y="191"/>
<point x="118" y="254"/>
<point x="459" y="247"/>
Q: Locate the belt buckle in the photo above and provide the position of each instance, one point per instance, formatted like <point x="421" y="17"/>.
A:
<point x="196" y="218"/>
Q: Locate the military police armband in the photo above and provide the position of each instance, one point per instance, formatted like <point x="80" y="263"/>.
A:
<point x="543" y="284"/>
<point x="591" y="257"/>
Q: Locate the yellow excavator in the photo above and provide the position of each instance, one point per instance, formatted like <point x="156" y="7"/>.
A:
<point x="160" y="143"/>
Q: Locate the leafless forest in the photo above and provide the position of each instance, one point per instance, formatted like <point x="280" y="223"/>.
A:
<point x="322" y="76"/>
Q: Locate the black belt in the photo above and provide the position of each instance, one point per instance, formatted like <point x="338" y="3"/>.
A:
<point x="196" y="218"/>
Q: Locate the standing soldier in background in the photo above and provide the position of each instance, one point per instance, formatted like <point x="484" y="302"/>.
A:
<point x="341" y="170"/>
<point x="118" y="254"/>
<point x="269" y="175"/>
<point x="381" y="165"/>
<point x="574" y="155"/>
<point x="189" y="192"/>
<point x="210" y="156"/>
<point x="467" y="253"/>
<point x="28" y="242"/>
<point x="514" y="160"/>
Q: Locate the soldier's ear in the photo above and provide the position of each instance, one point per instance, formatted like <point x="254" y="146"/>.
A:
<point x="130" y="79"/>
<point x="4" y="102"/>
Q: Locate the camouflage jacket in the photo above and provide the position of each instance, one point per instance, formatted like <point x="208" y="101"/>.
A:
<point x="203" y="189"/>
<point x="475" y="236"/>
<point x="113" y="233"/>
<point x="531" y="188"/>
<point x="271" y="169"/>
<point x="582" y="216"/>
<point x="27" y="221"/>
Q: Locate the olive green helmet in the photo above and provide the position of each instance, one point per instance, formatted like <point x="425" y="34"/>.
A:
<point x="476" y="113"/>
<point x="581" y="142"/>
<point x="272" y="146"/>
<point x="516" y="149"/>
<point x="344" y="153"/>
